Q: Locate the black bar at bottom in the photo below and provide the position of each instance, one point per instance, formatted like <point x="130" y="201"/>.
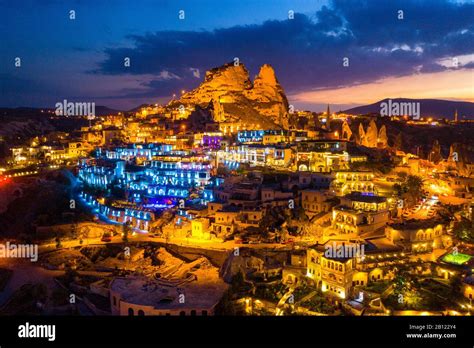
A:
<point x="334" y="331"/>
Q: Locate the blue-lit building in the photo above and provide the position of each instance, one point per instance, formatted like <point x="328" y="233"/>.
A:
<point x="257" y="136"/>
<point x="147" y="151"/>
<point x="250" y="136"/>
<point x="138" y="217"/>
<point x="163" y="178"/>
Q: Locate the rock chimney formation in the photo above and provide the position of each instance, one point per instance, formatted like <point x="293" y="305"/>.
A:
<point x="261" y="104"/>
<point x="269" y="97"/>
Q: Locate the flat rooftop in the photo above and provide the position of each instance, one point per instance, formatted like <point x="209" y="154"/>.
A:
<point x="360" y="197"/>
<point x="381" y="244"/>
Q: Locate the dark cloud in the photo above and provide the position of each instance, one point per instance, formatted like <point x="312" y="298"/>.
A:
<point x="307" y="51"/>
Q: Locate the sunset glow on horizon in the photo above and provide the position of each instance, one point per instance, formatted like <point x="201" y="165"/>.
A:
<point x="450" y="85"/>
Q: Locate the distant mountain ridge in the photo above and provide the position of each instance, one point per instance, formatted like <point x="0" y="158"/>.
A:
<point x="436" y="108"/>
<point x="100" y="110"/>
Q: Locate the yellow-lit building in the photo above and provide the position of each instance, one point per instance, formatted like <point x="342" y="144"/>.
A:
<point x="78" y="149"/>
<point x="323" y="156"/>
<point x="257" y="155"/>
<point x="200" y="228"/>
<point x="358" y="214"/>
<point x="275" y="139"/>
<point x="316" y="201"/>
<point x="467" y="288"/>
<point x="225" y="221"/>
<point x="321" y="162"/>
<point x="331" y="274"/>
<point x="418" y="236"/>
<point x="353" y="181"/>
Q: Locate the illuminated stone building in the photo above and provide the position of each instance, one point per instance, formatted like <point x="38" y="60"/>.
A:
<point x="467" y="288"/>
<point x="336" y="267"/>
<point x="230" y="219"/>
<point x="200" y="228"/>
<point x="359" y="214"/>
<point x="315" y="202"/>
<point x="319" y="181"/>
<point x="51" y="153"/>
<point x="250" y="136"/>
<point x="353" y="181"/>
<point x="273" y="195"/>
<point x="110" y="134"/>
<point x="321" y="156"/>
<point x="120" y="212"/>
<point x="78" y="149"/>
<point x="332" y="274"/>
<point x="210" y="140"/>
<point x="270" y="136"/>
<point x="150" y="177"/>
<point x="258" y="155"/>
<point x="418" y="235"/>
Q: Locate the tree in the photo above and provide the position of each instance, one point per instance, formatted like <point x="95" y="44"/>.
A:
<point x="302" y="123"/>
<point x="414" y="186"/>
<point x="268" y="221"/>
<point x="70" y="275"/>
<point x="59" y="296"/>
<point x="402" y="176"/>
<point x="126" y="229"/>
<point x="410" y="185"/>
<point x="464" y="230"/>
<point x="455" y="284"/>
<point x="316" y="122"/>
<point x="58" y="242"/>
<point x="74" y="233"/>
<point x="293" y="121"/>
<point x="226" y="304"/>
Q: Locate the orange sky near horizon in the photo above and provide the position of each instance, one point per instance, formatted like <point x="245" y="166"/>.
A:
<point x="449" y="85"/>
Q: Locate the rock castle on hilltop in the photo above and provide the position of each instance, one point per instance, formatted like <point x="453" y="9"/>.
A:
<point x="235" y="98"/>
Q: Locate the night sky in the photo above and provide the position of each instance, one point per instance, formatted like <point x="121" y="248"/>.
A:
<point x="82" y="59"/>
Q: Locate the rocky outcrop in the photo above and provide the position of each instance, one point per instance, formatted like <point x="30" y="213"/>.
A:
<point x="268" y="96"/>
<point x="224" y="84"/>
<point x="372" y="134"/>
<point x="217" y="111"/>
<point x="435" y="154"/>
<point x="346" y="132"/>
<point x="362" y="139"/>
<point x="382" y="137"/>
<point x="372" y="137"/>
<point x="459" y="159"/>
<point x="261" y="104"/>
